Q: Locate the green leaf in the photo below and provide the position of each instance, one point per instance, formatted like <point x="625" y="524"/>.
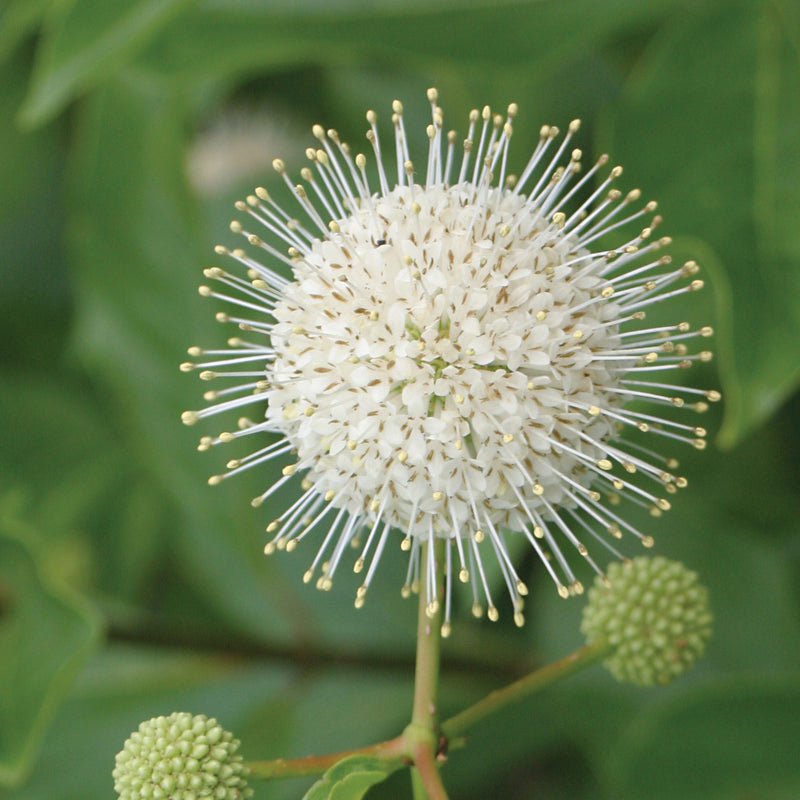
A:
<point x="138" y="249"/>
<point x="64" y="452"/>
<point x="61" y="448"/>
<point x="223" y="37"/>
<point x="729" y="738"/>
<point x="350" y="778"/>
<point x="86" y="41"/>
<point x="46" y="635"/>
<point x="708" y="124"/>
<point x="30" y="178"/>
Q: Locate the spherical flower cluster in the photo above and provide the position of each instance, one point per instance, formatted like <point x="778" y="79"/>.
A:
<point x="655" y="613"/>
<point x="180" y="757"/>
<point x="450" y="357"/>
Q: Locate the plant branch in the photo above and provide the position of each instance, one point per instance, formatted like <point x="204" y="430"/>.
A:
<point x="392" y="751"/>
<point x="428" y="772"/>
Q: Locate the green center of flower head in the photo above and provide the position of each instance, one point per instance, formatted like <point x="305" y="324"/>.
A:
<point x="452" y="356"/>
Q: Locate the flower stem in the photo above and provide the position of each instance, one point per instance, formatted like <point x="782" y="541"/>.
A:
<point x="585" y="656"/>
<point x="422" y="733"/>
<point x="426" y="676"/>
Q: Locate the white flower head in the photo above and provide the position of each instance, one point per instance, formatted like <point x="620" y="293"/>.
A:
<point x="452" y="355"/>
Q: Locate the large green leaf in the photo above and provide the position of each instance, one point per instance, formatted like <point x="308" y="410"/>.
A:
<point x="46" y="634"/>
<point x="729" y="739"/>
<point x="709" y="124"/>
<point x="231" y="36"/>
<point x="137" y="248"/>
<point x="85" y="41"/>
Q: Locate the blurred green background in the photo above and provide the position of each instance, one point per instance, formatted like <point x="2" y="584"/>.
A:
<point x="129" y="588"/>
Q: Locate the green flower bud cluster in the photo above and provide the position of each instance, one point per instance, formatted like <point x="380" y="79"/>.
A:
<point x="656" y="615"/>
<point x="180" y="757"/>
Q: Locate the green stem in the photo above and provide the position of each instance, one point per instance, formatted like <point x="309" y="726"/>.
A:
<point x="426" y="675"/>
<point x="585" y="656"/>
<point x="392" y="751"/>
<point x="418" y="790"/>
<point x="422" y="733"/>
<point x="426" y="781"/>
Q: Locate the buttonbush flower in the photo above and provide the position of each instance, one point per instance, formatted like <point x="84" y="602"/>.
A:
<point x="448" y="354"/>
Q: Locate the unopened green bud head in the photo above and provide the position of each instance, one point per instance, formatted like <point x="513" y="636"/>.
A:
<point x="181" y="757"/>
<point x="654" y="613"/>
